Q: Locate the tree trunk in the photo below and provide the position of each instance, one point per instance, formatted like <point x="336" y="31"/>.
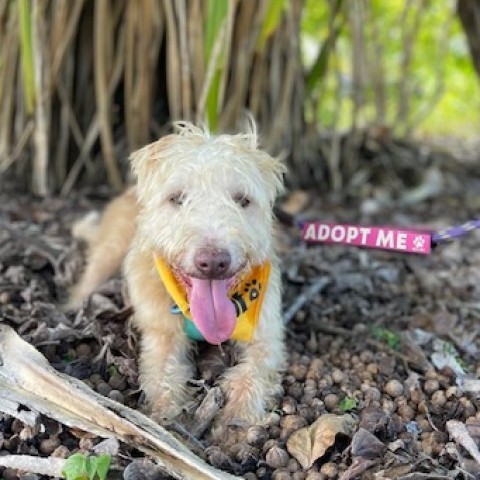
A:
<point x="469" y="14"/>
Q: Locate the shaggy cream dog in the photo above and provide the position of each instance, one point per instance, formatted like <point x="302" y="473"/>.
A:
<point x="196" y="231"/>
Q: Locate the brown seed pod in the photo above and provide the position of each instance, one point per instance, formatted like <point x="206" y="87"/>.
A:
<point x="438" y="399"/>
<point x="331" y="401"/>
<point x="268" y="445"/>
<point x="61" y="452"/>
<point x="277" y="457"/>
<point x="289" y="406"/>
<point x="329" y="470"/>
<point x="393" y="388"/>
<point x="117" y="382"/>
<point x="48" y="445"/>
<point x="431" y="386"/>
<point x="337" y="376"/>
<point x="313" y="475"/>
<point x="281" y="474"/>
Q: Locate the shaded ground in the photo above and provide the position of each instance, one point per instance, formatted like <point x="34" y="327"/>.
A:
<point x="392" y="340"/>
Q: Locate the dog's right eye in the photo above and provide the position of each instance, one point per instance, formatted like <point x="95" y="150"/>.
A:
<point x="176" y="198"/>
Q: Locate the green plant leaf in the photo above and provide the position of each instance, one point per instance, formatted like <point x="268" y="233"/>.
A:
<point x="91" y="467"/>
<point x="75" y="467"/>
<point x="217" y="11"/>
<point x="103" y="465"/>
<point x="80" y="467"/>
<point x="271" y="21"/>
<point x="392" y="339"/>
<point x="25" y="19"/>
<point x="212" y="101"/>
<point x="216" y="14"/>
<point x="348" y="404"/>
<point x="319" y="69"/>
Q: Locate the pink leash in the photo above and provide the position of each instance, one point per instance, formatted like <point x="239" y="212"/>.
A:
<point x="383" y="238"/>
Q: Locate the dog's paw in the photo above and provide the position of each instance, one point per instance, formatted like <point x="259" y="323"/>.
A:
<point x="247" y="398"/>
<point x="245" y="402"/>
<point x="169" y="402"/>
<point x="71" y="304"/>
<point x="75" y="298"/>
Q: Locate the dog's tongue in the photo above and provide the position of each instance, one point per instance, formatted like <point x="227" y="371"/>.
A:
<point x="212" y="311"/>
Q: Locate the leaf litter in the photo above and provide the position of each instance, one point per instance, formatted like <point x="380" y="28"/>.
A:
<point x="336" y="298"/>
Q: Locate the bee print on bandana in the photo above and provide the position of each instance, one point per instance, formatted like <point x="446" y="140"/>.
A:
<point x="242" y="299"/>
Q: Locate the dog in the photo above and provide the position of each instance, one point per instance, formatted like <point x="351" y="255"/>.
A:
<point x="196" y="234"/>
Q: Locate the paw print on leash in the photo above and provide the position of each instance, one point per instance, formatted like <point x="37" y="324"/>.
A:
<point x="419" y="243"/>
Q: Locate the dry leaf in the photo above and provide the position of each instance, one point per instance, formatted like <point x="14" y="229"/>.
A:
<point x="310" y="443"/>
<point x="358" y="466"/>
<point x="458" y="431"/>
<point x="444" y="322"/>
<point x="296" y="202"/>
<point x="367" y="445"/>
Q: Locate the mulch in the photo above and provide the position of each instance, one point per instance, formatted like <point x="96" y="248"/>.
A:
<point x="390" y="340"/>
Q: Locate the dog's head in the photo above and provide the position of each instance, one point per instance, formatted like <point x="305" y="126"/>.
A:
<point x="206" y="206"/>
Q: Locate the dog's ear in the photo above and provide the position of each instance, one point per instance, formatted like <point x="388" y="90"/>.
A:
<point x="149" y="159"/>
<point x="144" y="159"/>
<point x="145" y="163"/>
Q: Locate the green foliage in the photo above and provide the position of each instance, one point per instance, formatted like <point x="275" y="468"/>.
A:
<point x="441" y="90"/>
<point x="69" y="357"/>
<point x="392" y="339"/>
<point x="348" y="404"/>
<point x="217" y="11"/>
<point x="216" y="15"/>
<point x="80" y="467"/>
<point x="271" y="21"/>
<point x="25" y="20"/>
<point x="216" y="18"/>
<point x="450" y="350"/>
<point x="319" y="69"/>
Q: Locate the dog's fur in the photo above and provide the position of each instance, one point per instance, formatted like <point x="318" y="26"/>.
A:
<point x="194" y="191"/>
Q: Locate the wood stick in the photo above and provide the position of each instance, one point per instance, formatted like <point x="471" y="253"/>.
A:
<point x="28" y="378"/>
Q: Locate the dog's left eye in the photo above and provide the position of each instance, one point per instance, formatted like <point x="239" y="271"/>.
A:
<point x="176" y="198"/>
<point x="242" y="200"/>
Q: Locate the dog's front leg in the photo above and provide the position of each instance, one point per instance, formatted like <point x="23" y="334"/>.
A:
<point x="257" y="377"/>
<point x="164" y="366"/>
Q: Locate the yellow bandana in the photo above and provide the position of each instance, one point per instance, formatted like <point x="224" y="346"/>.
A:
<point x="247" y="296"/>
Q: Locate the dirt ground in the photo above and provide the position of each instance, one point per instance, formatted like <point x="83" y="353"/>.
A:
<point x="388" y="343"/>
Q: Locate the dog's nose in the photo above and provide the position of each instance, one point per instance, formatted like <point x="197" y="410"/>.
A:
<point x="212" y="263"/>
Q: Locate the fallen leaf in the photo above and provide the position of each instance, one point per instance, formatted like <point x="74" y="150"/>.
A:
<point x="444" y="322"/>
<point x="394" y="472"/>
<point x="358" y="466"/>
<point x="296" y="202"/>
<point x="373" y="420"/>
<point x="424" y="476"/>
<point x="473" y="427"/>
<point x="445" y="355"/>
<point x="366" y="445"/>
<point x="458" y="432"/>
<point x="310" y="443"/>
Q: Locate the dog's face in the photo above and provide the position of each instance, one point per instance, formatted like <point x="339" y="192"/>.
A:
<point x="206" y="208"/>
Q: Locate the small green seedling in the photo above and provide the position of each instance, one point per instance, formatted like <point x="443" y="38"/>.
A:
<point x="348" y="404"/>
<point x="112" y="370"/>
<point x="392" y="339"/>
<point x="81" y="467"/>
